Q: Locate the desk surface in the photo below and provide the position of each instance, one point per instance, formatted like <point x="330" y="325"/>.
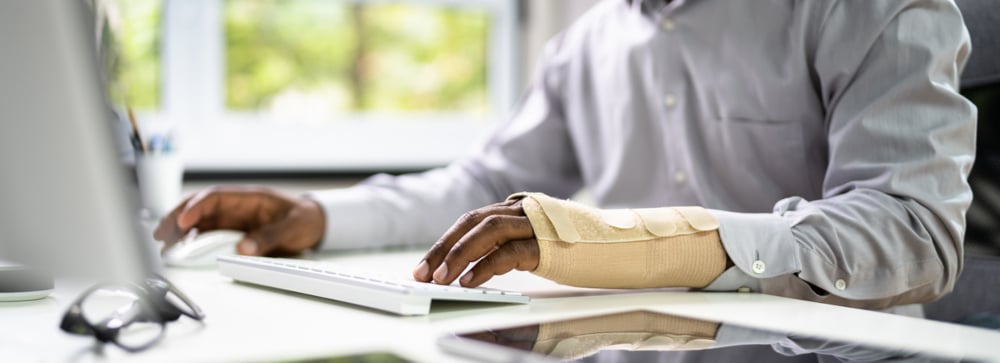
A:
<point x="248" y="323"/>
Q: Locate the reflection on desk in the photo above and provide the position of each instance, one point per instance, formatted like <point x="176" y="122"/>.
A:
<point x="250" y="324"/>
<point x="647" y="331"/>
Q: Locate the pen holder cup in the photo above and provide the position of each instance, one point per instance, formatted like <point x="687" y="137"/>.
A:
<point x="159" y="176"/>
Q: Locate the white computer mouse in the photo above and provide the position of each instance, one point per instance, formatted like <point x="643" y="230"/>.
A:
<point x="202" y="249"/>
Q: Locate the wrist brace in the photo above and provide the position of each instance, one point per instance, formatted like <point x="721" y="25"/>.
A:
<point x="624" y="248"/>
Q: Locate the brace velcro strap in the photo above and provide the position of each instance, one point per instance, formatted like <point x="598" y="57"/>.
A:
<point x="624" y="248"/>
<point x="573" y="222"/>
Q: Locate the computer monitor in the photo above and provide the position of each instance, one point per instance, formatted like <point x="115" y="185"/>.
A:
<point x="65" y="203"/>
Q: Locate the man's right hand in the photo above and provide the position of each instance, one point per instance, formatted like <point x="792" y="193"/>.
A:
<point x="275" y="224"/>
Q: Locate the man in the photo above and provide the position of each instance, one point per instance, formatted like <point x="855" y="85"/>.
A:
<point x="821" y="149"/>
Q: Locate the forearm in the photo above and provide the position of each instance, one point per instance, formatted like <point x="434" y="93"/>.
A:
<point x="627" y="248"/>
<point x="396" y="211"/>
<point x="861" y="249"/>
<point x="888" y="228"/>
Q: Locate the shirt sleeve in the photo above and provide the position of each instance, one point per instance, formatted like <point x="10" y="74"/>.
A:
<point x="901" y="139"/>
<point x="532" y="152"/>
<point x="791" y="345"/>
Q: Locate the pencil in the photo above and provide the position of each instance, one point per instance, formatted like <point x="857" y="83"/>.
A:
<point x="135" y="129"/>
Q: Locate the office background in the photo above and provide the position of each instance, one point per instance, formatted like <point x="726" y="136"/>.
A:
<point x="236" y="309"/>
<point x="324" y="86"/>
<point x="320" y="93"/>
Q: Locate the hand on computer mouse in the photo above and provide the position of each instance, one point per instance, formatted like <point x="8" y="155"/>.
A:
<point x="275" y="224"/>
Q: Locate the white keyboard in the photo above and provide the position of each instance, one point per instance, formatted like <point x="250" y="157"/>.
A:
<point x="400" y="296"/>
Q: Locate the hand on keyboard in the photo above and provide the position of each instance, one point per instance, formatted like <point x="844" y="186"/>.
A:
<point x="499" y="236"/>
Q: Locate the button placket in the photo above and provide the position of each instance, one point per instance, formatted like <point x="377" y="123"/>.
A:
<point x="680" y="177"/>
<point x="670" y="100"/>
<point x="667" y="24"/>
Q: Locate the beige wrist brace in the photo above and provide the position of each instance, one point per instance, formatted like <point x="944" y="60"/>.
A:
<point x="624" y="248"/>
<point x="642" y="330"/>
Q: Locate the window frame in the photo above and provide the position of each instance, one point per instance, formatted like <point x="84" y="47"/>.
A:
<point x="212" y="138"/>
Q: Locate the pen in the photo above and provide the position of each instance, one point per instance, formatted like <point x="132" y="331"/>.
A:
<point x="135" y="130"/>
<point x="157" y="144"/>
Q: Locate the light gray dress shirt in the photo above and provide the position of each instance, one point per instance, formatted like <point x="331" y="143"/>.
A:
<point x="828" y="137"/>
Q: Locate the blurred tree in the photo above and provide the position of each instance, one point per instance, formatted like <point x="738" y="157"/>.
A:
<point x="355" y="56"/>
<point x="351" y="56"/>
<point x="426" y="58"/>
<point x="134" y="71"/>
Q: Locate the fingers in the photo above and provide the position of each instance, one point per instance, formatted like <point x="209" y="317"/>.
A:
<point x="240" y="208"/>
<point x="179" y="221"/>
<point x="204" y="203"/>
<point x="298" y="230"/>
<point x="521" y="255"/>
<point x="466" y="223"/>
<point x="491" y="234"/>
<point x="262" y="241"/>
<point x="167" y="230"/>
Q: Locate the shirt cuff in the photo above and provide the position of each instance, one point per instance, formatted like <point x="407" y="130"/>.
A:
<point x="349" y="219"/>
<point x="761" y="245"/>
<point x="733" y="279"/>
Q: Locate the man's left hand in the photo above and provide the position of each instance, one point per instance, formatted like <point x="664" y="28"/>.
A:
<point x="499" y="236"/>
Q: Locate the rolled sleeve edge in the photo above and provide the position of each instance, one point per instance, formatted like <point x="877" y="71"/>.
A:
<point x="752" y="237"/>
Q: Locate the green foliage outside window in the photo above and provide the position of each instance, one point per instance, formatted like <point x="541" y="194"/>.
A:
<point x="349" y="56"/>
<point x="355" y="57"/>
<point x="131" y="47"/>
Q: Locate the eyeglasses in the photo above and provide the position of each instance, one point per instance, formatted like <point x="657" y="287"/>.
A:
<point x="129" y="315"/>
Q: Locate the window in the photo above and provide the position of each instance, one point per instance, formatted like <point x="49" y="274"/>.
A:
<point x="355" y="58"/>
<point x="133" y="63"/>
<point x="319" y="84"/>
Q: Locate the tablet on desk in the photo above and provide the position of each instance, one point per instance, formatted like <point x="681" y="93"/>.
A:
<point x="373" y="357"/>
<point x="641" y="336"/>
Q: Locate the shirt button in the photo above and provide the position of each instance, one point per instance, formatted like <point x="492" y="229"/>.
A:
<point x="667" y="24"/>
<point x="670" y="100"/>
<point x="680" y="177"/>
<point x="840" y="284"/>
<point x="758" y="267"/>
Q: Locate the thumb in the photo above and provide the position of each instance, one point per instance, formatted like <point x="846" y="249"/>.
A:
<point x="260" y="241"/>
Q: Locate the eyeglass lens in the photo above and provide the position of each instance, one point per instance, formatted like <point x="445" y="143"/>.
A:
<point x="119" y="315"/>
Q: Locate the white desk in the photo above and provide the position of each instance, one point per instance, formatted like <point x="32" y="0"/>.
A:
<point x="248" y="323"/>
